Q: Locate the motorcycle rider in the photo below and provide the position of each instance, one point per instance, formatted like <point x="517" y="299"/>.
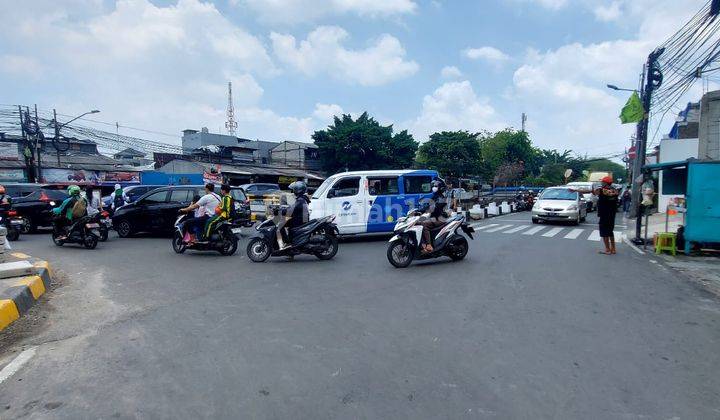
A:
<point x="222" y="212"/>
<point x="118" y="197"/>
<point x="438" y="202"/>
<point x="73" y="208"/>
<point x="208" y="202"/>
<point x="5" y="200"/>
<point x="296" y="215"/>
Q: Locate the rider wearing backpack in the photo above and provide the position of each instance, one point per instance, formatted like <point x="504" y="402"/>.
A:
<point x="223" y="212"/>
<point x="73" y="208"/>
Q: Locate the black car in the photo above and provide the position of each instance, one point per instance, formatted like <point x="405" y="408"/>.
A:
<point x="157" y="210"/>
<point x="259" y="188"/>
<point x="34" y="203"/>
<point x="132" y="192"/>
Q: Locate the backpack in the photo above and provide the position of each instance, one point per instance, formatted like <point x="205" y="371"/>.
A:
<point x="79" y="208"/>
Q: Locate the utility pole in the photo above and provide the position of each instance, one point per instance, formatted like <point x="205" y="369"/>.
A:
<point x="27" y="151"/>
<point x="57" y="135"/>
<point x="523" y="121"/>
<point x="39" y="144"/>
<point x="652" y="79"/>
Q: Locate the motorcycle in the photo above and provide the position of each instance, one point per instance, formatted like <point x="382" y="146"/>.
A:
<point x="224" y="238"/>
<point x="405" y="246"/>
<point x="84" y="231"/>
<point x="317" y="237"/>
<point x="104" y="222"/>
<point x="13" y="224"/>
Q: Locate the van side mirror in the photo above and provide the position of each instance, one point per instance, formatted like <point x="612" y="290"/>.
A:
<point x="331" y="193"/>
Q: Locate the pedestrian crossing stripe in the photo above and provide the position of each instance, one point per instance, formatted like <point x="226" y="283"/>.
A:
<point x="545" y="231"/>
<point x="573" y="234"/>
<point x="501" y="227"/>
<point x="517" y="229"/>
<point x="552" y="232"/>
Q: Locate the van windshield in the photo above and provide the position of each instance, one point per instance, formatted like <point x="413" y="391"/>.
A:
<point x="322" y="188"/>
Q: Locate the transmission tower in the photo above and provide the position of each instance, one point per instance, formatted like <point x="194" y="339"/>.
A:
<point x="230" y="124"/>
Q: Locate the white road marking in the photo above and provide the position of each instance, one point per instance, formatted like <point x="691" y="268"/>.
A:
<point x="573" y="234"/>
<point x="16" y="364"/>
<point x="552" y="232"/>
<point x="486" y="226"/>
<point x="517" y="229"/>
<point x="594" y="236"/>
<point x="501" y="227"/>
<point x="534" y="230"/>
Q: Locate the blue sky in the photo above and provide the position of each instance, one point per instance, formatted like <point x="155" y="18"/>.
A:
<point x="420" y="65"/>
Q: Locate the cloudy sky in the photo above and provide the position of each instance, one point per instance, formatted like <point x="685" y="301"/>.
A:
<point x="422" y="65"/>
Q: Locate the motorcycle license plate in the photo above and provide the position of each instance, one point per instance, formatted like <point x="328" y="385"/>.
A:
<point x="17" y="222"/>
<point x="92" y="226"/>
<point x="236" y="230"/>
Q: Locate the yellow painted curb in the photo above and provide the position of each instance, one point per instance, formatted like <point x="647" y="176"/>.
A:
<point x="20" y="255"/>
<point x="34" y="283"/>
<point x="8" y="312"/>
<point x="45" y="265"/>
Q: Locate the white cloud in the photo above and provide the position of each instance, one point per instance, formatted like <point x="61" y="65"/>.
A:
<point x="547" y="4"/>
<point x="160" y="68"/>
<point x="19" y="65"/>
<point x="326" y="112"/>
<point x="607" y="13"/>
<point x="450" y="72"/>
<point x="323" y="53"/>
<point x="488" y="54"/>
<point x="563" y="90"/>
<point x="454" y="106"/>
<point x="295" y="11"/>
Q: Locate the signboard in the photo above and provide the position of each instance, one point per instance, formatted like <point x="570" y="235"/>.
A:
<point x="51" y="175"/>
<point x="9" y="151"/>
<point x="14" y="175"/>
<point x="212" y="178"/>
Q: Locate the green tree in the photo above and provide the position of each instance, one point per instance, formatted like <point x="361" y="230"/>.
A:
<point x="363" y="144"/>
<point x="452" y="153"/>
<point x="508" y="147"/>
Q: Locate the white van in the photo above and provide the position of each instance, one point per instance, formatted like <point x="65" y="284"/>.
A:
<point x="370" y="201"/>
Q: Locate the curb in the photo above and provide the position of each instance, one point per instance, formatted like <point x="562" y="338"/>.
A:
<point x="24" y="291"/>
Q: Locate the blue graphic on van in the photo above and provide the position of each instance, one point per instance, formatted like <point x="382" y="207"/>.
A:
<point x="346" y="205"/>
<point x="385" y="209"/>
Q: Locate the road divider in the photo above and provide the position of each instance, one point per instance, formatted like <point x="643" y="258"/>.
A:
<point x="23" y="280"/>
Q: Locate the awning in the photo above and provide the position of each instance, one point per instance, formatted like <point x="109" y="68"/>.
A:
<point x="667" y="165"/>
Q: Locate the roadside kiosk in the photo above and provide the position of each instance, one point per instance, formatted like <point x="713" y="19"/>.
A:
<point x="699" y="181"/>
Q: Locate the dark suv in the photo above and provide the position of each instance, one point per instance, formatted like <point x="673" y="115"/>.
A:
<point x="34" y="203"/>
<point x="157" y="210"/>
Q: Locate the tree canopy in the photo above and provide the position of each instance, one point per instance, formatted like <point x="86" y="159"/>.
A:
<point x="452" y="153"/>
<point x="363" y="144"/>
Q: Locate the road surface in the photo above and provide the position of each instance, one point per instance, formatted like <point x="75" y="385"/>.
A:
<point x="533" y="324"/>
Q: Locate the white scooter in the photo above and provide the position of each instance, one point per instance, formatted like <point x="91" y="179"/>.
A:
<point x="405" y="246"/>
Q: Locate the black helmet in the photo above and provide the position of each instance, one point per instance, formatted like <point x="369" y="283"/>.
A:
<point x="298" y="188"/>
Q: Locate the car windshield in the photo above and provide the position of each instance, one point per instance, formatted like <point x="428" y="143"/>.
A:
<point x="558" y="194"/>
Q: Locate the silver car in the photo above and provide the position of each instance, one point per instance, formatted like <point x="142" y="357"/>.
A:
<point x="559" y="204"/>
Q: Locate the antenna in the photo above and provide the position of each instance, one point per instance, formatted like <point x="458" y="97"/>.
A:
<point x="230" y="124"/>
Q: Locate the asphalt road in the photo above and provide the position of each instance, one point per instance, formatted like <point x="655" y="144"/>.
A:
<point x="528" y="326"/>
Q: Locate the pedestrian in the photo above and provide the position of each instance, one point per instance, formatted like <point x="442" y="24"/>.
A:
<point x="606" y="210"/>
<point x="118" y="197"/>
<point x="626" y="200"/>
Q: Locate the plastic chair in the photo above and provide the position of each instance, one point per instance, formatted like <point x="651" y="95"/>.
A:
<point x="665" y="241"/>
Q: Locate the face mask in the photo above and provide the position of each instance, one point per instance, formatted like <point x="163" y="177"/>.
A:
<point x="434" y="189"/>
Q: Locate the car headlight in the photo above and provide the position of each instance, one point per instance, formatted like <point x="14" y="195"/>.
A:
<point x="572" y="207"/>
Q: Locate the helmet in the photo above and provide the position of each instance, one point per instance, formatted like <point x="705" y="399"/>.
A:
<point x="438" y="186"/>
<point x="2" y="189"/>
<point x="607" y="179"/>
<point x="298" y="188"/>
<point x="73" y="190"/>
